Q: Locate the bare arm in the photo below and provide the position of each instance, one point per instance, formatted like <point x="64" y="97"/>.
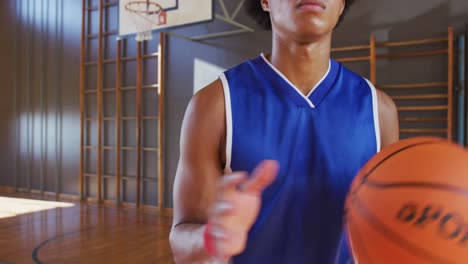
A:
<point x="388" y="120"/>
<point x="198" y="171"/>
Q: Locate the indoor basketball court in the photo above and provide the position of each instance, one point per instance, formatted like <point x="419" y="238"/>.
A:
<point x="126" y="126"/>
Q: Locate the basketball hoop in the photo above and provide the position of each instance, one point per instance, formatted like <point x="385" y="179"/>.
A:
<point x="144" y="14"/>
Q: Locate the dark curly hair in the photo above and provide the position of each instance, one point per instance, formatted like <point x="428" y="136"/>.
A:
<point x="255" y="11"/>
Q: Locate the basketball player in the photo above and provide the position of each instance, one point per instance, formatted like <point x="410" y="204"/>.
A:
<point x="268" y="151"/>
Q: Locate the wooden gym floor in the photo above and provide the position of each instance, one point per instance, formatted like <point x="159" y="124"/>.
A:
<point x="62" y="232"/>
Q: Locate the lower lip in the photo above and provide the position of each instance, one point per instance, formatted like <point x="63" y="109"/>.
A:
<point x="311" y="7"/>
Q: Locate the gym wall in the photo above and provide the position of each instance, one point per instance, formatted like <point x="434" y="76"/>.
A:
<point x="39" y="106"/>
<point x="40" y="97"/>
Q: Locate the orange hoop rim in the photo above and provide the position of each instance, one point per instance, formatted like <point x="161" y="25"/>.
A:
<point x="131" y="7"/>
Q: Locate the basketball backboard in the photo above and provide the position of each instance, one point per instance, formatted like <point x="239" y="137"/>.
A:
<point x="175" y="13"/>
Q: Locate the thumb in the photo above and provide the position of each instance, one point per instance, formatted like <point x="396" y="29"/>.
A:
<point x="263" y="175"/>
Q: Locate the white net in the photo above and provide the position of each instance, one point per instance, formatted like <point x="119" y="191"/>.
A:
<point x="144" y="15"/>
<point x="143" y="27"/>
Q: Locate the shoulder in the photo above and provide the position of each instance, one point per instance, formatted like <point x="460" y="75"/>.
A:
<point x="212" y="94"/>
<point x="203" y="126"/>
<point x="208" y="103"/>
<point x="388" y="119"/>
<point x="386" y="104"/>
<point x="204" y="116"/>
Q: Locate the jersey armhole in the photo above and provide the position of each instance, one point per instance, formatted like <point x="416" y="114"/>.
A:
<point x="375" y="107"/>
<point x="227" y="103"/>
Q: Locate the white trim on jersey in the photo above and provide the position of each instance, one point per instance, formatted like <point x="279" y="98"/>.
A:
<point x="293" y="86"/>
<point x="227" y="103"/>
<point x="351" y="245"/>
<point x="337" y="256"/>
<point x="321" y="80"/>
<point x="375" y="105"/>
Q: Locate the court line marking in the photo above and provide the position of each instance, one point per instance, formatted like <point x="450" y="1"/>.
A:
<point x="43" y="243"/>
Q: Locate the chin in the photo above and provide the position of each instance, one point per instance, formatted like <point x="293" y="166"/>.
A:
<point x="311" y="32"/>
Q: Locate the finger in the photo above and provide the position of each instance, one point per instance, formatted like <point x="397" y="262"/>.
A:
<point x="218" y="233"/>
<point x="232" y="180"/>
<point x="214" y="237"/>
<point x="263" y="175"/>
<point x="232" y="244"/>
<point x="222" y="208"/>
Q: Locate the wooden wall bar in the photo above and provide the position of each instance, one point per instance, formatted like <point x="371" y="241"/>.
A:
<point x="118" y="116"/>
<point x="161" y="63"/>
<point x="450" y="84"/>
<point x="100" y="100"/>
<point x="373" y="59"/>
<point x="139" y="85"/>
<point x="82" y="96"/>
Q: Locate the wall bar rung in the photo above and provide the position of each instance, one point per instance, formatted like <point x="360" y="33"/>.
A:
<point x="351" y="48"/>
<point x="129" y="148"/>
<point x="412" y="54"/>
<point x="129" y="58"/>
<point x="107" y="33"/>
<point x="420" y="97"/>
<point x="354" y="59"/>
<point x="412" y="85"/>
<point x="423" y="131"/>
<point x="151" y="55"/>
<point x="150" y="149"/>
<point x="422" y="119"/>
<point x="151" y="86"/>
<point x="412" y="42"/>
<point x="422" y="108"/>
<point x="149" y="118"/>
<point x="109" y="4"/>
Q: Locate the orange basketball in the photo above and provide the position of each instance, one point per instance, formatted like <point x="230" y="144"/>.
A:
<point x="409" y="204"/>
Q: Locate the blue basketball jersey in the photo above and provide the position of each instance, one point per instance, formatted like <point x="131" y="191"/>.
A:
<point x="320" y="141"/>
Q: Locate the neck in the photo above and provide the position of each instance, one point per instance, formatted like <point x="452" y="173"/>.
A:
<point x="303" y="64"/>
